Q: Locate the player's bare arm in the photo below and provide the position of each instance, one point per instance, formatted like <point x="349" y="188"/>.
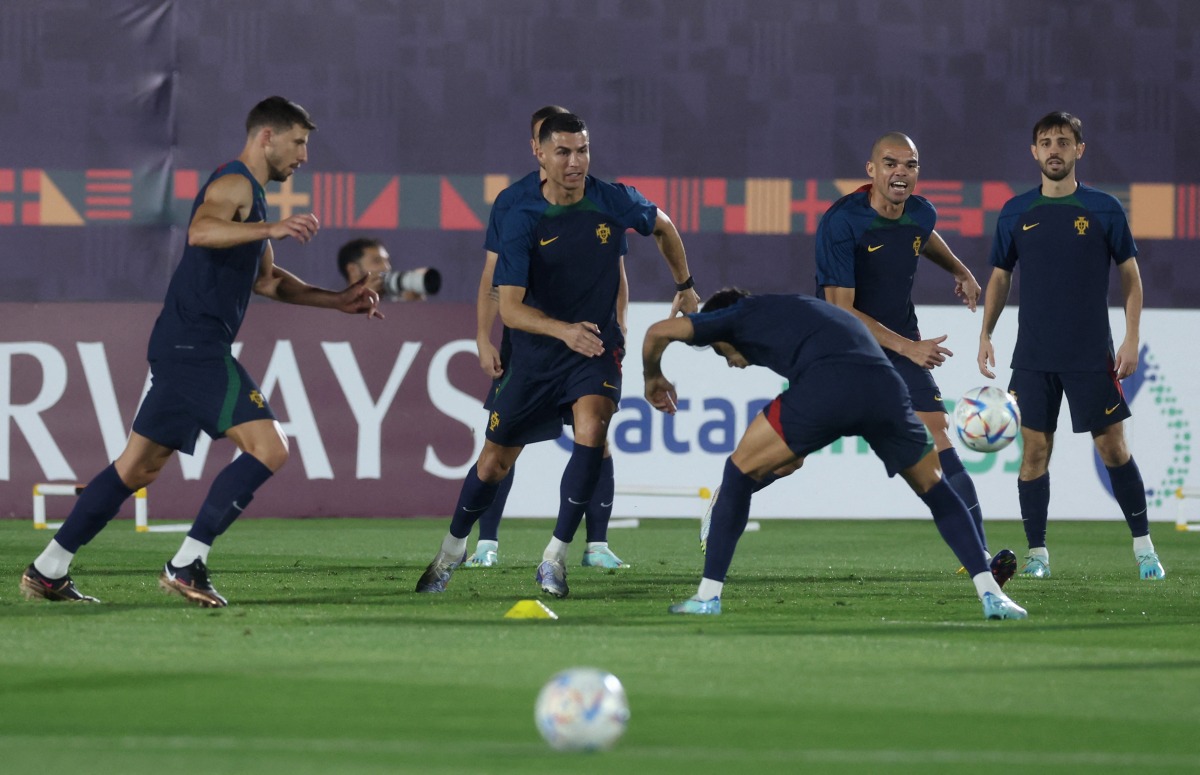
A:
<point x="583" y="337"/>
<point x="487" y="306"/>
<point x="217" y="222"/>
<point x="671" y="246"/>
<point x="1131" y="292"/>
<point x="965" y="285"/>
<point x="660" y="392"/>
<point x="926" y="353"/>
<point x="623" y="300"/>
<point x="993" y="304"/>
<point x="275" y="282"/>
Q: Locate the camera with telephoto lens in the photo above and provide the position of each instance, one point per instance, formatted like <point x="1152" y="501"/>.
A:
<point x="425" y="281"/>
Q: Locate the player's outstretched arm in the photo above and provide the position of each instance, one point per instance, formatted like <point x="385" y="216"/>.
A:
<point x="926" y="353"/>
<point x="671" y="246"/>
<point x="487" y="306"/>
<point x="275" y="282"/>
<point x="659" y="390"/>
<point x="993" y="304"/>
<point x="965" y="285"/>
<point x="1131" y="291"/>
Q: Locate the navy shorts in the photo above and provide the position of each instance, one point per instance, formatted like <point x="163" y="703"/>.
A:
<point x="1095" y="398"/>
<point x="926" y="396"/>
<point x="186" y="397"/>
<point x="849" y="399"/>
<point x="529" y="405"/>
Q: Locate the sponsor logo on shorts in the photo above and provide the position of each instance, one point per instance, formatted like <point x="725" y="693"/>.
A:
<point x="1110" y="411"/>
<point x="257" y="399"/>
<point x="614" y="387"/>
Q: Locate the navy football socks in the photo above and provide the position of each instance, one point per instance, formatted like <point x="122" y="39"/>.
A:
<point x="599" y="508"/>
<point x="230" y="493"/>
<point x="954" y="523"/>
<point x="489" y="523"/>
<point x="578" y="485"/>
<point x="96" y="506"/>
<point x="962" y="484"/>
<point x="474" y="498"/>
<point x="1034" y="496"/>
<point x="730" y="514"/>
<point x="1130" y="493"/>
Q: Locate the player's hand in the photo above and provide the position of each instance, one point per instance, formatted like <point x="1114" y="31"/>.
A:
<point x="584" y="338"/>
<point x="986" y="360"/>
<point x="359" y="299"/>
<point x="301" y="227"/>
<point x="929" y="353"/>
<point x="489" y="359"/>
<point x="1127" y="359"/>
<point x="661" y="394"/>
<point x="968" y="290"/>
<point x="686" y="302"/>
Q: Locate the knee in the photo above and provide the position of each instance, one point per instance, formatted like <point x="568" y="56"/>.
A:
<point x="273" y="456"/>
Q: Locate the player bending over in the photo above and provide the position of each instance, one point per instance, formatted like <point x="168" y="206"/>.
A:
<point x="839" y="384"/>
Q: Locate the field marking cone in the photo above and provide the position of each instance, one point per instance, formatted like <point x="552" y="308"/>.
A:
<point x="530" y="609"/>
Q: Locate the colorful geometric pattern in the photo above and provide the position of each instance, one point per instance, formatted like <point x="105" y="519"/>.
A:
<point x="380" y="202"/>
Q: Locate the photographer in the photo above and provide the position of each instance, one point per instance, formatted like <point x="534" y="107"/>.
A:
<point x="365" y="256"/>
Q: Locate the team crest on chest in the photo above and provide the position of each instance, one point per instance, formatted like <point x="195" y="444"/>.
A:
<point x="1081" y="225"/>
<point x="917" y="245"/>
<point x="603" y="232"/>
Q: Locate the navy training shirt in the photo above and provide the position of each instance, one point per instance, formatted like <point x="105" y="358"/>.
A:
<point x="568" y="259"/>
<point x="210" y="289"/>
<point x="1065" y="247"/>
<point x="858" y="248"/>
<point x="789" y="334"/>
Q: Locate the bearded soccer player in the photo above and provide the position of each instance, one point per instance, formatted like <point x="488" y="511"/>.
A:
<point x="1065" y="237"/>
<point x="198" y="385"/>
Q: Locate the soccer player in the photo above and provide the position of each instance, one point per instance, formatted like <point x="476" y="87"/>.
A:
<point x="840" y="383"/>
<point x="558" y="275"/>
<point x="869" y="245"/>
<point x="493" y="363"/>
<point x="198" y="385"/>
<point x="1064" y="235"/>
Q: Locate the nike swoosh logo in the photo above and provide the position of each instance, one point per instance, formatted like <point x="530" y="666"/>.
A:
<point x="1028" y="226"/>
<point x="873" y="248"/>
<point x="545" y="242"/>
<point x="1110" y="411"/>
<point x="577" y="503"/>
<point x="614" y="387"/>
<point x="606" y="505"/>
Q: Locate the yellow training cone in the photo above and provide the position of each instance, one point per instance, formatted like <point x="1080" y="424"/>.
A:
<point x="530" y="609"/>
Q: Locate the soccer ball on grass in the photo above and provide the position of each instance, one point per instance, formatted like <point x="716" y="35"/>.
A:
<point x="987" y="419"/>
<point x="582" y="709"/>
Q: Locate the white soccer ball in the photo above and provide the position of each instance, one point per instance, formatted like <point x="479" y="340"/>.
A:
<point x="582" y="709"/>
<point x="987" y="419"/>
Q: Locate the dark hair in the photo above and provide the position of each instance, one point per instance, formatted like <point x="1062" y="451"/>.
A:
<point x="726" y="297"/>
<point x="543" y="113"/>
<point x="352" y="253"/>
<point x="1059" y="119"/>
<point x="278" y="113"/>
<point x="568" y="123"/>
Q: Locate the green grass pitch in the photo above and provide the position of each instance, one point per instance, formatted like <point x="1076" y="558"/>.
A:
<point x="845" y="647"/>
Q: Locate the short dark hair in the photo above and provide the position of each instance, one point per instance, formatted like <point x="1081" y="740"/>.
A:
<point x="543" y="113"/>
<point x="567" y="123"/>
<point x="352" y="253"/>
<point x="278" y="113"/>
<point x="726" y="297"/>
<point x="1059" y="119"/>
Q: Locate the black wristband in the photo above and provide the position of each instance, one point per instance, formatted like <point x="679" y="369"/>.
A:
<point x="683" y="286"/>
